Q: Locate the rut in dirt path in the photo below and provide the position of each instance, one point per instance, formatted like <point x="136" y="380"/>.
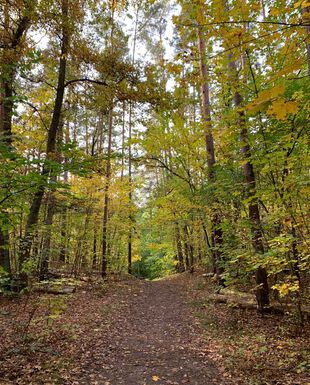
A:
<point x="157" y="342"/>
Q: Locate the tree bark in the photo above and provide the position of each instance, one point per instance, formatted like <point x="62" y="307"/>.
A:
<point x="180" y="266"/>
<point x="11" y="54"/>
<point x="187" y="249"/>
<point x="63" y="234"/>
<point x="123" y="140"/>
<point x="190" y="249"/>
<point x="33" y="216"/>
<point x="129" y="256"/>
<point x="262" y="291"/>
<point x="94" y="261"/>
<point x="104" y="263"/>
<point x="105" y="248"/>
<point x="47" y="239"/>
<point x="64" y="137"/>
<point x="216" y="231"/>
<point x="5" y="262"/>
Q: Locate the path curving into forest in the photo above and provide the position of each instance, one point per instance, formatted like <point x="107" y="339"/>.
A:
<point x="157" y="340"/>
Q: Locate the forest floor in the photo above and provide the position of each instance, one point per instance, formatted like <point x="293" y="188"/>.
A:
<point x="133" y="332"/>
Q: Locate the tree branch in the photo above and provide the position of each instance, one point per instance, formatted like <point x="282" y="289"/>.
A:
<point x="165" y="166"/>
<point x="301" y="24"/>
<point x="94" y="81"/>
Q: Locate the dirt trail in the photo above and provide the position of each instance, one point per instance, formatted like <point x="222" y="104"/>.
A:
<point x="155" y="341"/>
<point x="133" y="332"/>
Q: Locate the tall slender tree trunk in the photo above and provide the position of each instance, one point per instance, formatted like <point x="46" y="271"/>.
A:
<point x="63" y="233"/>
<point x="51" y="202"/>
<point x="105" y="246"/>
<point x="262" y="291"/>
<point x="180" y="266"/>
<point x="104" y="263"/>
<point x="65" y="137"/>
<point x="216" y="231"/>
<point x="129" y="256"/>
<point x="47" y="238"/>
<point x="7" y="106"/>
<point x="123" y="140"/>
<point x="11" y="53"/>
<point x="190" y="249"/>
<point x="81" y="253"/>
<point x="33" y="216"/>
<point x="94" y="261"/>
<point x="293" y="255"/>
<point x="186" y="249"/>
<point x="5" y="262"/>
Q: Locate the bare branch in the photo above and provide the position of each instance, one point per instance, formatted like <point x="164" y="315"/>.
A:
<point x="87" y="80"/>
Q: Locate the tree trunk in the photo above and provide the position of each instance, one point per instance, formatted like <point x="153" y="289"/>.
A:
<point x="180" y="265"/>
<point x="123" y="140"/>
<point x="51" y="202"/>
<point x="47" y="240"/>
<point x="33" y="216"/>
<point x="216" y="231"/>
<point x="64" y="137"/>
<point x="10" y="57"/>
<point x="262" y="291"/>
<point x="129" y="256"/>
<point x="63" y="234"/>
<point x="105" y="249"/>
<point x="104" y="264"/>
<point x="186" y="249"/>
<point x="190" y="249"/>
<point x="94" y="262"/>
<point x="7" y="108"/>
<point x="4" y="250"/>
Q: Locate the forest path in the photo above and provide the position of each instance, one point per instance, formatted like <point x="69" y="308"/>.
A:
<point x="156" y="340"/>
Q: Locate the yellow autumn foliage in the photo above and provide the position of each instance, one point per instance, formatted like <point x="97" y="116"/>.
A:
<point x="281" y="108"/>
<point x="265" y="96"/>
<point x="286" y="288"/>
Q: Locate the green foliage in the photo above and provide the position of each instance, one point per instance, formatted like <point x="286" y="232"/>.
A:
<point x="153" y="266"/>
<point x="5" y="281"/>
